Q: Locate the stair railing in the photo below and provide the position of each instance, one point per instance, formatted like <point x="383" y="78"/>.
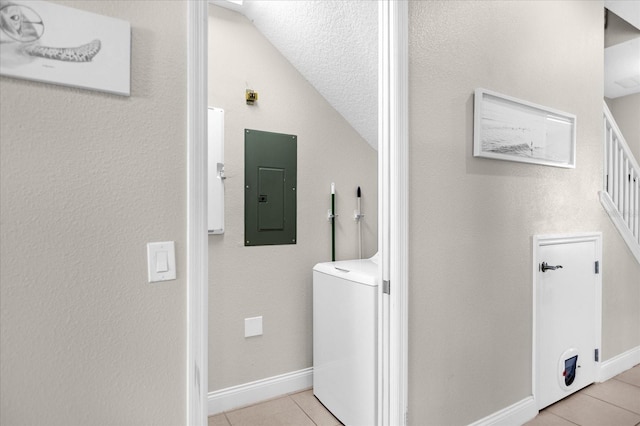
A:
<point x="621" y="184"/>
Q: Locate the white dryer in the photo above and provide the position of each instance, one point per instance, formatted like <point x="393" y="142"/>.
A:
<point x="345" y="295"/>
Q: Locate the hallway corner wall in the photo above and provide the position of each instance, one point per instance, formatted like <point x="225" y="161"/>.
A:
<point x="88" y="179"/>
<point x="472" y="219"/>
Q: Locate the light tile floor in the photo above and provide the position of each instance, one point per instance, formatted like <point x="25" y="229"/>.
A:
<point x="615" y="402"/>
<point x="296" y="409"/>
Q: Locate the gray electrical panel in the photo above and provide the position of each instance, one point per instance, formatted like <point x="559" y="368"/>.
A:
<point x="270" y="178"/>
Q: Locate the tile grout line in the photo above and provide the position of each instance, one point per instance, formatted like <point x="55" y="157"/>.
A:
<point x="612" y="404"/>
<point x="598" y="399"/>
<point x="622" y="381"/>
<point x="303" y="410"/>
<point x="558" y="415"/>
<point x="224" y="413"/>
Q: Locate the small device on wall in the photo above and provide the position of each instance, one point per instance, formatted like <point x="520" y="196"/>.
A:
<point x="161" y="261"/>
<point x="270" y="188"/>
<point x="251" y="96"/>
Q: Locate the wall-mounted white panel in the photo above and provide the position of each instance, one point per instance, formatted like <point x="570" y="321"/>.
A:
<point x="216" y="171"/>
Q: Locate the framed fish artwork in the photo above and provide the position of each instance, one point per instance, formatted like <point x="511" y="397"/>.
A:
<point x="506" y="128"/>
<point x="50" y="43"/>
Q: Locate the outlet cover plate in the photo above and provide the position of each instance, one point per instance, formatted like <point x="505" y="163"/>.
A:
<point x="253" y="326"/>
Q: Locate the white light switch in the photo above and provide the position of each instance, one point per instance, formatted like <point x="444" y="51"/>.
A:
<point x="252" y="326"/>
<point x="161" y="261"/>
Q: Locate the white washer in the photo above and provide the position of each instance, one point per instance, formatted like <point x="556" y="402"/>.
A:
<point x="345" y="339"/>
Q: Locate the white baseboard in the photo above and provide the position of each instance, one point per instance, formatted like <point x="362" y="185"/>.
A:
<point x="271" y="387"/>
<point x="618" y="364"/>
<point x="516" y="414"/>
<point x="260" y="390"/>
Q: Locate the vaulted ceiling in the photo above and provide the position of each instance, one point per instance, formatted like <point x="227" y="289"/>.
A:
<point x="333" y="44"/>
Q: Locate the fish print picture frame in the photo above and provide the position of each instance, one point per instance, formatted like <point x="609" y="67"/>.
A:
<point x="506" y="128"/>
<point x="50" y="43"/>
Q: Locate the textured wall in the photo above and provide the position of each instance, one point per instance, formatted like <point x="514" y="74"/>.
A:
<point x="275" y="281"/>
<point x="626" y="112"/>
<point x="620" y="295"/>
<point x="87" y="180"/>
<point x="620" y="308"/>
<point x="470" y="301"/>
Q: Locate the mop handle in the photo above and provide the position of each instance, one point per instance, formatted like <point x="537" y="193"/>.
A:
<point x="333" y="222"/>
<point x="359" y="225"/>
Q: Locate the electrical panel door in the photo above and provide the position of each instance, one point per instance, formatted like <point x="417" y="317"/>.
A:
<point x="270" y="188"/>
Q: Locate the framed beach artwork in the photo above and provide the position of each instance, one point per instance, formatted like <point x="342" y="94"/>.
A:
<point x="50" y="43"/>
<point x="506" y="128"/>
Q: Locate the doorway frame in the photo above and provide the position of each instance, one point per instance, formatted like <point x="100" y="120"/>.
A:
<point x="538" y="241"/>
<point x="197" y="354"/>
<point x="393" y="176"/>
<point x="393" y="209"/>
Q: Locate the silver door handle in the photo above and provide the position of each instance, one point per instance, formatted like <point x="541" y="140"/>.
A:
<point x="544" y="267"/>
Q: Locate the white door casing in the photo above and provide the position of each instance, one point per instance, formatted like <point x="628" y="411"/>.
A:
<point x="393" y="177"/>
<point x="567" y="314"/>
<point x="197" y="243"/>
<point x="393" y="160"/>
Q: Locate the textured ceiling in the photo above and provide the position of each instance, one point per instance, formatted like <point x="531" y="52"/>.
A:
<point x="334" y="45"/>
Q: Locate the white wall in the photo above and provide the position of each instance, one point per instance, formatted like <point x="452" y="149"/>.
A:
<point x="87" y="180"/>
<point x="275" y="281"/>
<point x="626" y="112"/>
<point x="472" y="220"/>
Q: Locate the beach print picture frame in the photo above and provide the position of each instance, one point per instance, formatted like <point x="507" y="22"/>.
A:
<point x="50" y="43"/>
<point x="506" y="128"/>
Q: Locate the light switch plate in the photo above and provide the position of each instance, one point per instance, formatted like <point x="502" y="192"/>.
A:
<point x="161" y="261"/>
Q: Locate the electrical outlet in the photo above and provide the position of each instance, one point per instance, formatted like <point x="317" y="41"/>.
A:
<point x="253" y="326"/>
